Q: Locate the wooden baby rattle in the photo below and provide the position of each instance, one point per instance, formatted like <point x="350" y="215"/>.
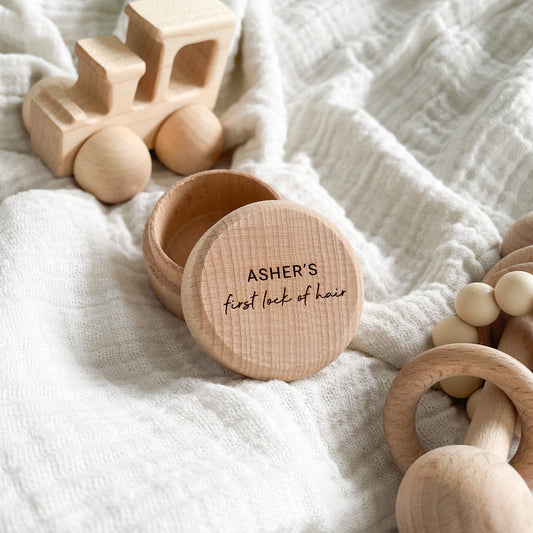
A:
<point x="471" y="487"/>
<point x="154" y="91"/>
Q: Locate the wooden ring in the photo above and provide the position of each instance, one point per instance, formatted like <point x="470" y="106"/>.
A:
<point x="511" y="376"/>
<point x="518" y="257"/>
<point x="496" y="275"/>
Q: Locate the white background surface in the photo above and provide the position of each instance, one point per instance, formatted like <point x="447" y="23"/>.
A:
<point x="408" y="123"/>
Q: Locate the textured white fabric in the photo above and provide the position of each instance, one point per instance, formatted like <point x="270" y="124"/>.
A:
<point x="409" y="123"/>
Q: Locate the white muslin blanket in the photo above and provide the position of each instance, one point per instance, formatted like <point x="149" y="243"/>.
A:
<point x="409" y="123"/>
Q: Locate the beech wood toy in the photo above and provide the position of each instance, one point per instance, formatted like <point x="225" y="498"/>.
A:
<point x="155" y="91"/>
<point x="472" y="487"/>
<point x="268" y="288"/>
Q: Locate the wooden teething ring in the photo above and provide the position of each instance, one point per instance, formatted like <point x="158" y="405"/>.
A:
<point x="433" y="365"/>
<point x="471" y="487"/>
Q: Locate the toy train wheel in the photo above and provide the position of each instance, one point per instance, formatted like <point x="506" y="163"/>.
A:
<point x="190" y="140"/>
<point x="114" y="164"/>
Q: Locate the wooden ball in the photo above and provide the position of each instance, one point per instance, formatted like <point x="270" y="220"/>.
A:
<point x="35" y="89"/>
<point x="463" y="488"/>
<point x="452" y="329"/>
<point x="114" y="164"/>
<point x="460" y="386"/>
<point x="190" y="140"/>
<point x="476" y="305"/>
<point x="514" y="293"/>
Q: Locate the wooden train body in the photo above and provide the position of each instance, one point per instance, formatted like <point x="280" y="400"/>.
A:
<point x="175" y="54"/>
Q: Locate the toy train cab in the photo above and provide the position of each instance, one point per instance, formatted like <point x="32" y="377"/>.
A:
<point x="174" y="56"/>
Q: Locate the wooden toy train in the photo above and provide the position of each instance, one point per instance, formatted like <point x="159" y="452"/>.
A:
<point x="156" y="90"/>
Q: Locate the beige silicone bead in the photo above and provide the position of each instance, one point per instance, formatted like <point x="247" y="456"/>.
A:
<point x="476" y="305"/>
<point x="514" y="293"/>
<point x="452" y="329"/>
<point x="461" y="386"/>
<point x="471" y="406"/>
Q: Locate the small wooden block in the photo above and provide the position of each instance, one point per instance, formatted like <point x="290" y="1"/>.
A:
<point x="273" y="291"/>
<point x="168" y="19"/>
<point x="110" y="58"/>
<point x="182" y="43"/>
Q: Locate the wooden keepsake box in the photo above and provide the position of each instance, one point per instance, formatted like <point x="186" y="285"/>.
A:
<point x="268" y="288"/>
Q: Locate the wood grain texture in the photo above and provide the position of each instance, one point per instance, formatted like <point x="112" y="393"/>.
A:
<point x="517" y="257"/>
<point x="159" y="29"/>
<point x="36" y="88"/>
<point x="183" y="214"/>
<point x="492" y="426"/>
<point x="495" y="276"/>
<point x="466" y="488"/>
<point x="463" y="489"/>
<point x="273" y="291"/>
<point x="457" y="359"/>
<point x="472" y="487"/>
<point x="138" y="84"/>
<point x="190" y="140"/>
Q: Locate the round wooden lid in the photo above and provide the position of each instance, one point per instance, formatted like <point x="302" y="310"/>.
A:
<point x="273" y="291"/>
